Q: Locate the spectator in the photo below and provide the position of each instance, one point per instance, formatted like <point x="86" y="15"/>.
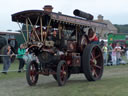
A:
<point x="21" y="52"/>
<point x="118" y="56"/>
<point x="110" y="54"/>
<point x="114" y="57"/>
<point x="127" y="53"/>
<point x="123" y="50"/>
<point x="104" y="49"/>
<point x="7" y="59"/>
<point x="102" y="44"/>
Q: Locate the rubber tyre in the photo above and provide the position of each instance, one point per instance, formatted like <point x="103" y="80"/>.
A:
<point x="32" y="73"/>
<point x="92" y="62"/>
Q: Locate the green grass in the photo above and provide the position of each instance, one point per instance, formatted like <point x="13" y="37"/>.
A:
<point x="105" y="87"/>
<point x="12" y="72"/>
<point x="11" y="75"/>
<point x="14" y="66"/>
<point x="113" y="83"/>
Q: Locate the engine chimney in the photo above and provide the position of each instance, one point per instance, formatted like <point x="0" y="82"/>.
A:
<point x="48" y="8"/>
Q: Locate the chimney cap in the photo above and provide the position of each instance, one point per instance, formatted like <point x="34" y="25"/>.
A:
<point x="100" y="17"/>
<point x="48" y="7"/>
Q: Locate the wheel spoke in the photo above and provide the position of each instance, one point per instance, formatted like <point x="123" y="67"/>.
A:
<point x="63" y="74"/>
<point x="93" y="51"/>
<point x="32" y="73"/>
<point x="97" y="66"/>
<point x="32" y="77"/>
<point x="94" y="48"/>
<point x="93" y="54"/>
<point x="62" y="68"/>
<point x="98" y="56"/>
<point x="91" y="61"/>
<point x="62" y="77"/>
<point x="94" y="72"/>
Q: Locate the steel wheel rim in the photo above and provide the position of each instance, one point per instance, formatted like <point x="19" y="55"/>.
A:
<point x="63" y="73"/>
<point x="33" y="73"/>
<point x="95" y="62"/>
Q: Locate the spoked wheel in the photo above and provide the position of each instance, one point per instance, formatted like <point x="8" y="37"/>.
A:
<point x="62" y="73"/>
<point x="92" y="62"/>
<point x="55" y="76"/>
<point x="32" y="73"/>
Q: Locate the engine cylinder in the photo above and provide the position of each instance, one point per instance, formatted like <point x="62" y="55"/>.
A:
<point x="83" y="14"/>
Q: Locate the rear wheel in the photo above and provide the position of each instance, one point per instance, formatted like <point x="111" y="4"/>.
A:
<point x="92" y="62"/>
<point x="62" y="73"/>
<point x="32" y="73"/>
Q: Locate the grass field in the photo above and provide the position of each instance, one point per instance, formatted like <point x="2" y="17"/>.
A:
<point x="113" y="83"/>
<point x="14" y="66"/>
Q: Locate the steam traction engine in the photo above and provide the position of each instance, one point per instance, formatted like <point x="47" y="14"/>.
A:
<point x="60" y="45"/>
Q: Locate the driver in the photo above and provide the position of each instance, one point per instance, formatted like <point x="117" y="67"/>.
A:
<point x="55" y="37"/>
<point x="58" y="42"/>
<point x="92" y="36"/>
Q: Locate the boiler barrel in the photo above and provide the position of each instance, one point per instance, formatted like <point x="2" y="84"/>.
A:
<point x="83" y="14"/>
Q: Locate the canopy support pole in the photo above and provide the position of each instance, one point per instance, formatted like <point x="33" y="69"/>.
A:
<point x="27" y="30"/>
<point x="21" y="31"/>
<point x="34" y="28"/>
<point x="41" y="24"/>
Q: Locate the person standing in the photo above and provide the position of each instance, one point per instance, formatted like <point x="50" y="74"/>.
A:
<point x="21" y="52"/>
<point x="104" y="49"/>
<point x="118" y="55"/>
<point x="110" y="54"/>
<point x="114" y="57"/>
<point x="7" y="59"/>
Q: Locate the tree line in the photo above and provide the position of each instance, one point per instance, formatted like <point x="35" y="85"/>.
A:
<point x="122" y="28"/>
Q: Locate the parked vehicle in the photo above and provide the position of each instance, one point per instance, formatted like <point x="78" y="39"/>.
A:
<point x="121" y="38"/>
<point x="8" y="37"/>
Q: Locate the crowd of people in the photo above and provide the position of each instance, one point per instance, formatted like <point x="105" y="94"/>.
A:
<point x="113" y="55"/>
<point x="8" y="54"/>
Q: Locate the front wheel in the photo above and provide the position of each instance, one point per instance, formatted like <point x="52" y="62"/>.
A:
<point x="92" y="62"/>
<point x="62" y="73"/>
<point x="32" y="73"/>
<point x="55" y="77"/>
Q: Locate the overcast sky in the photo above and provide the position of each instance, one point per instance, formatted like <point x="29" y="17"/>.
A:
<point x="114" y="10"/>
